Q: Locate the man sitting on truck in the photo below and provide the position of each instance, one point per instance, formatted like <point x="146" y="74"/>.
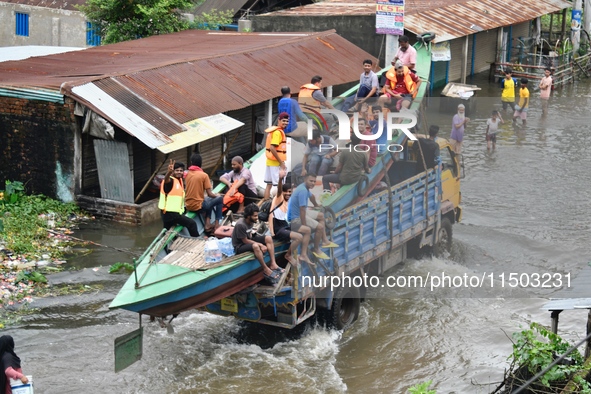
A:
<point x="401" y="85"/>
<point x="245" y="239"/>
<point x="427" y="150"/>
<point x="351" y="166"/>
<point x="299" y="215"/>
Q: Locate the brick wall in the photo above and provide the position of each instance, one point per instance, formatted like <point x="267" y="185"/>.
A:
<point x="131" y="214"/>
<point x="34" y="137"/>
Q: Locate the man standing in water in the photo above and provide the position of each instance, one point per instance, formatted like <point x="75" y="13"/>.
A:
<point x="459" y="121"/>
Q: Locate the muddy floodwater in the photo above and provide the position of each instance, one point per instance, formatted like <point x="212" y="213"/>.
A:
<point x="526" y="210"/>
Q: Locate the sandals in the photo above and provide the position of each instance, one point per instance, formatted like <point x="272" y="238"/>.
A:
<point x="321" y="255"/>
<point x="273" y="278"/>
<point x="330" y="245"/>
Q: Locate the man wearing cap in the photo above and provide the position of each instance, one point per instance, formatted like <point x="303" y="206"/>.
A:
<point x="406" y="54"/>
<point x="241" y="185"/>
<point x="276" y="151"/>
<point x="401" y="85"/>
<point x="457" y="129"/>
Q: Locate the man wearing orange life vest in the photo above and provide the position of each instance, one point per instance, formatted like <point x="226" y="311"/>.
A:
<point x="311" y="96"/>
<point x="172" y="199"/>
<point x="402" y="85"/>
<point x="276" y="151"/>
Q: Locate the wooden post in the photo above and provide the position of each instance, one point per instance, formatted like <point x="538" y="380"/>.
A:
<point x="550" y="30"/>
<point x="554" y="317"/>
<point x="563" y="32"/>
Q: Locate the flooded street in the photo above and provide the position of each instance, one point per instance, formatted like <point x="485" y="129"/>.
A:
<point x="526" y="210"/>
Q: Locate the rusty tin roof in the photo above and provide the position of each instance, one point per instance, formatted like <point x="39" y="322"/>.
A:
<point x="447" y="18"/>
<point x="160" y="83"/>
<point x="449" y="21"/>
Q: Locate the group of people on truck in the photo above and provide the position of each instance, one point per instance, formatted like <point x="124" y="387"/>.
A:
<point x="290" y="217"/>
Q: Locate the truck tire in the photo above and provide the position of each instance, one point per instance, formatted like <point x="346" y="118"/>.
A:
<point x="329" y="218"/>
<point x="345" y="307"/>
<point x="444" y="238"/>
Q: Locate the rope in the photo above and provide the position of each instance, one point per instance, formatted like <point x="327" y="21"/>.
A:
<point x="94" y="243"/>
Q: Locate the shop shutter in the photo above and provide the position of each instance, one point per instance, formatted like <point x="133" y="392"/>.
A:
<point x="242" y="145"/>
<point x="455" y="67"/>
<point x="486" y="49"/>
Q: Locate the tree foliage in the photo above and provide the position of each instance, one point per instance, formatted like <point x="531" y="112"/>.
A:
<point x="212" y="20"/>
<point x="122" y="20"/>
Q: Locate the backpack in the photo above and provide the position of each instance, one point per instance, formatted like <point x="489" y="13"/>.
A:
<point x="266" y="210"/>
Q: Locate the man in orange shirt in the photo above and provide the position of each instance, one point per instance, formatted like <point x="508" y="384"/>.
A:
<point x="198" y="184"/>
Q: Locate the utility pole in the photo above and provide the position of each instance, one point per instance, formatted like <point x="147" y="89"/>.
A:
<point x="576" y="24"/>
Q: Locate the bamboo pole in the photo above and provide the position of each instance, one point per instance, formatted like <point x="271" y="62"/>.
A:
<point x="150" y="180"/>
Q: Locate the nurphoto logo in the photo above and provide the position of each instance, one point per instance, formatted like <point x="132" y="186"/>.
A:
<point x="345" y="125"/>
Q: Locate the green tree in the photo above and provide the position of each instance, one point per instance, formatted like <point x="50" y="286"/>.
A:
<point x="212" y="20"/>
<point x="122" y="20"/>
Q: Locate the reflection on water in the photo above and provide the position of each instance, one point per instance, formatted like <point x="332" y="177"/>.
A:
<point x="526" y="210"/>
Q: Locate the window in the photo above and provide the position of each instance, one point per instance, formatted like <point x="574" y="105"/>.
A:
<point x="447" y="158"/>
<point x="22" y="24"/>
<point x="92" y="38"/>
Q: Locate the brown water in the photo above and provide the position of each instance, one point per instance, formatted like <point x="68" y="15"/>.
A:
<point x="526" y="210"/>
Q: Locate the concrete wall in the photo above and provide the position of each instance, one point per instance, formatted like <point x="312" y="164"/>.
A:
<point x="47" y="26"/>
<point x="360" y="29"/>
<point x="38" y="140"/>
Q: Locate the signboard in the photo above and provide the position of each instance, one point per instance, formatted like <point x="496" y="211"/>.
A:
<point x="441" y="52"/>
<point x="390" y="17"/>
<point x="199" y="130"/>
<point x="128" y="349"/>
<point x="575" y="24"/>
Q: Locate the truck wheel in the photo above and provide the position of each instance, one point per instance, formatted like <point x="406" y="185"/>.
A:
<point x="345" y="307"/>
<point x="444" y="238"/>
<point x="329" y="218"/>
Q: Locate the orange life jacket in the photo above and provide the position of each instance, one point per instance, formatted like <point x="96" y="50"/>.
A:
<point x="411" y="86"/>
<point x="305" y="96"/>
<point x="174" y="201"/>
<point x="281" y="149"/>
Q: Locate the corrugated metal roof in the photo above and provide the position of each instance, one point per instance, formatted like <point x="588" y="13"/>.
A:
<point x="57" y="4"/>
<point x="468" y="17"/>
<point x="448" y="19"/>
<point x="151" y="87"/>
<point x="356" y="7"/>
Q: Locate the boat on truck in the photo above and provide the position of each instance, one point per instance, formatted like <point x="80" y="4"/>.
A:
<point x="373" y="231"/>
<point x="416" y="210"/>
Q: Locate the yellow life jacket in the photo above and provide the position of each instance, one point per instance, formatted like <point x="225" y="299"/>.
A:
<point x="305" y="97"/>
<point x="281" y="149"/>
<point x="174" y="201"/>
<point x="411" y="86"/>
